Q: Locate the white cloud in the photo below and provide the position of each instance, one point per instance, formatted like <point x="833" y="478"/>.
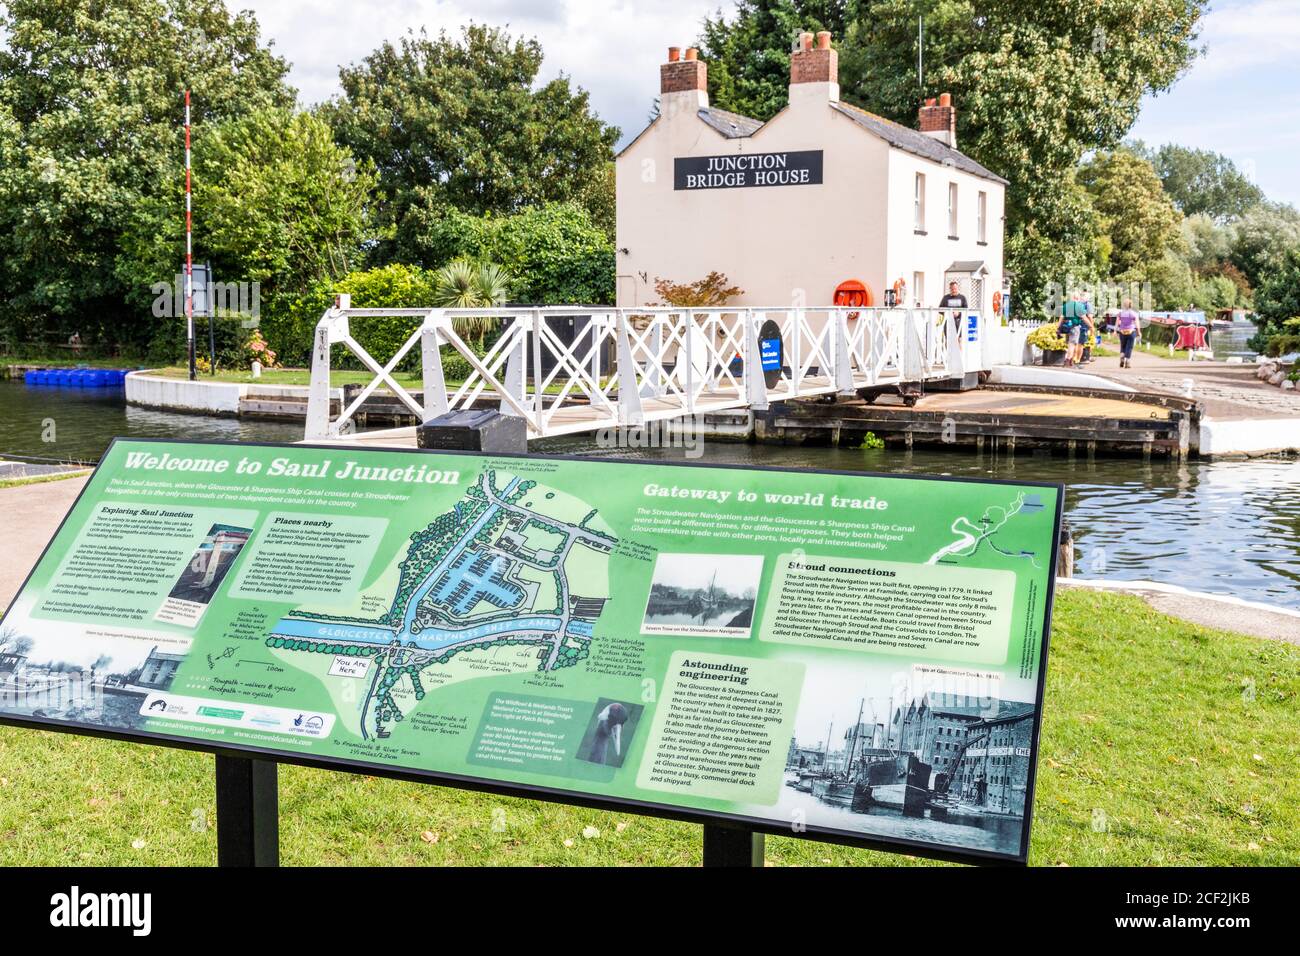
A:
<point x="611" y="48"/>
<point x="1247" y="36"/>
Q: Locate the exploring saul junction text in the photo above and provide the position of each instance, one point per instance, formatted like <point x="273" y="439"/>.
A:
<point x="857" y="657"/>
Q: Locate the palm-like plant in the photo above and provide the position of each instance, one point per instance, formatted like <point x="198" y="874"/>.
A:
<point x="462" y="284"/>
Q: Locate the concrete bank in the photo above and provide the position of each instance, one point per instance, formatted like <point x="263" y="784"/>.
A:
<point x="223" y="399"/>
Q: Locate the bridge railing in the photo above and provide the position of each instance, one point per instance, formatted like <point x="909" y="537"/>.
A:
<point x="613" y="366"/>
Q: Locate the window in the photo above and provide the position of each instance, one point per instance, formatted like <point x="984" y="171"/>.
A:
<point x="952" y="210"/>
<point x="981" y="217"/>
<point x="918" y="288"/>
<point x="918" y="204"/>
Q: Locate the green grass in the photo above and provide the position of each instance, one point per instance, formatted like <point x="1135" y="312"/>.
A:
<point x="1163" y="743"/>
<point x="286" y="376"/>
<point x="338" y="377"/>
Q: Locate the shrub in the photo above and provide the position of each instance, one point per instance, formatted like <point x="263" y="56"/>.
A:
<point x="232" y="335"/>
<point x="290" y="326"/>
<point x="1047" y="338"/>
<point x="557" y="253"/>
<point x="1283" y="344"/>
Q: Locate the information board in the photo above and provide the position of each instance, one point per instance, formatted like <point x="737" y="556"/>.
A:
<point x="855" y="657"/>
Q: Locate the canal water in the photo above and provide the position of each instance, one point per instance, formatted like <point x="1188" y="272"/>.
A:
<point x="1224" y="526"/>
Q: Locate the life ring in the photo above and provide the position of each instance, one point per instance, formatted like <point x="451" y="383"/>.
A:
<point x="853" y="292"/>
<point x="997" y="303"/>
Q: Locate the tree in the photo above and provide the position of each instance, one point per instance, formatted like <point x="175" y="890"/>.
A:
<point x="555" y="250"/>
<point x="1200" y="181"/>
<point x="92" y="108"/>
<point x="461" y="124"/>
<point x="1262" y="237"/>
<point x="1037" y="87"/>
<point x="749" y="55"/>
<point x="280" y="203"/>
<point x="1277" y="299"/>
<point x="1208" y="243"/>
<point x="1135" y="211"/>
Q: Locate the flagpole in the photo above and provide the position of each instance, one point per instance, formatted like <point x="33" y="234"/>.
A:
<point x="189" y="249"/>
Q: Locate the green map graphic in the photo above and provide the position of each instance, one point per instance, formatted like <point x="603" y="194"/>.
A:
<point x="493" y="572"/>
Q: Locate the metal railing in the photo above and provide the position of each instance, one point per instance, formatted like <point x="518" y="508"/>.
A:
<point x="629" y="366"/>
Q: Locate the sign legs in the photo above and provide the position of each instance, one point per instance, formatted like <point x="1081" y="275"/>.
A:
<point x="248" y="812"/>
<point x="732" y="846"/>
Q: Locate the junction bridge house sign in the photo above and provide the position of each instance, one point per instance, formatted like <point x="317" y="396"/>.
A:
<point x="791" y="168"/>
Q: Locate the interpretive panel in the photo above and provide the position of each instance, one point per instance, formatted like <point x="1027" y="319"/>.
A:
<point x="853" y="656"/>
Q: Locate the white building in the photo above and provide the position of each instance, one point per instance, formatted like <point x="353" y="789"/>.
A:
<point x="822" y="194"/>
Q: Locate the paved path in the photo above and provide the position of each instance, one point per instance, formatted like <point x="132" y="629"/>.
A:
<point x="31" y="515"/>
<point x="1227" y="391"/>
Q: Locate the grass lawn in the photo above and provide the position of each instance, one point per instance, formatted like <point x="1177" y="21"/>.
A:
<point x="338" y="377"/>
<point x="288" y="376"/>
<point x="1163" y="743"/>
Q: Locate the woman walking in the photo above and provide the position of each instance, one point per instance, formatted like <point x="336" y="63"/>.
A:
<point x="1130" y="330"/>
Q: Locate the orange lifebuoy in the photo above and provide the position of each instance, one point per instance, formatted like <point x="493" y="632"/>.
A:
<point x="997" y="303"/>
<point x="853" y="292"/>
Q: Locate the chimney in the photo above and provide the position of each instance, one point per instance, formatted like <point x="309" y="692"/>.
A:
<point x="683" y="82"/>
<point x="814" y="71"/>
<point x="939" y="120"/>
<point x="814" y="65"/>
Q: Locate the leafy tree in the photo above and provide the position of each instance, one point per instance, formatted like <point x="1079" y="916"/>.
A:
<point x="1200" y="181"/>
<point x="749" y="55"/>
<point x="555" y="250"/>
<point x="1037" y="87"/>
<point x="1277" y="299"/>
<point x="91" y="116"/>
<point x="461" y="123"/>
<point x="1262" y="237"/>
<point x="278" y="201"/>
<point x="1208" y="243"/>
<point x="1135" y="212"/>
<point x="1215" y="292"/>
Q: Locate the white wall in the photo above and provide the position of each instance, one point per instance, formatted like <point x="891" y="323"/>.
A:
<point x="933" y="252"/>
<point x="782" y="242"/>
<point x="776" y="242"/>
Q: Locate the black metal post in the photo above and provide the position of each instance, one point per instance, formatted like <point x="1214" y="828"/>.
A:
<point x="732" y="846"/>
<point x="212" y="313"/>
<point x="248" y="812"/>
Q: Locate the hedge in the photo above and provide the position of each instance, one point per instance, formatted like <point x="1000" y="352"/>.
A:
<point x="290" y="325"/>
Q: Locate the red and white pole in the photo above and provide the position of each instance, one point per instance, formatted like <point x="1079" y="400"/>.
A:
<point x="189" y="248"/>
